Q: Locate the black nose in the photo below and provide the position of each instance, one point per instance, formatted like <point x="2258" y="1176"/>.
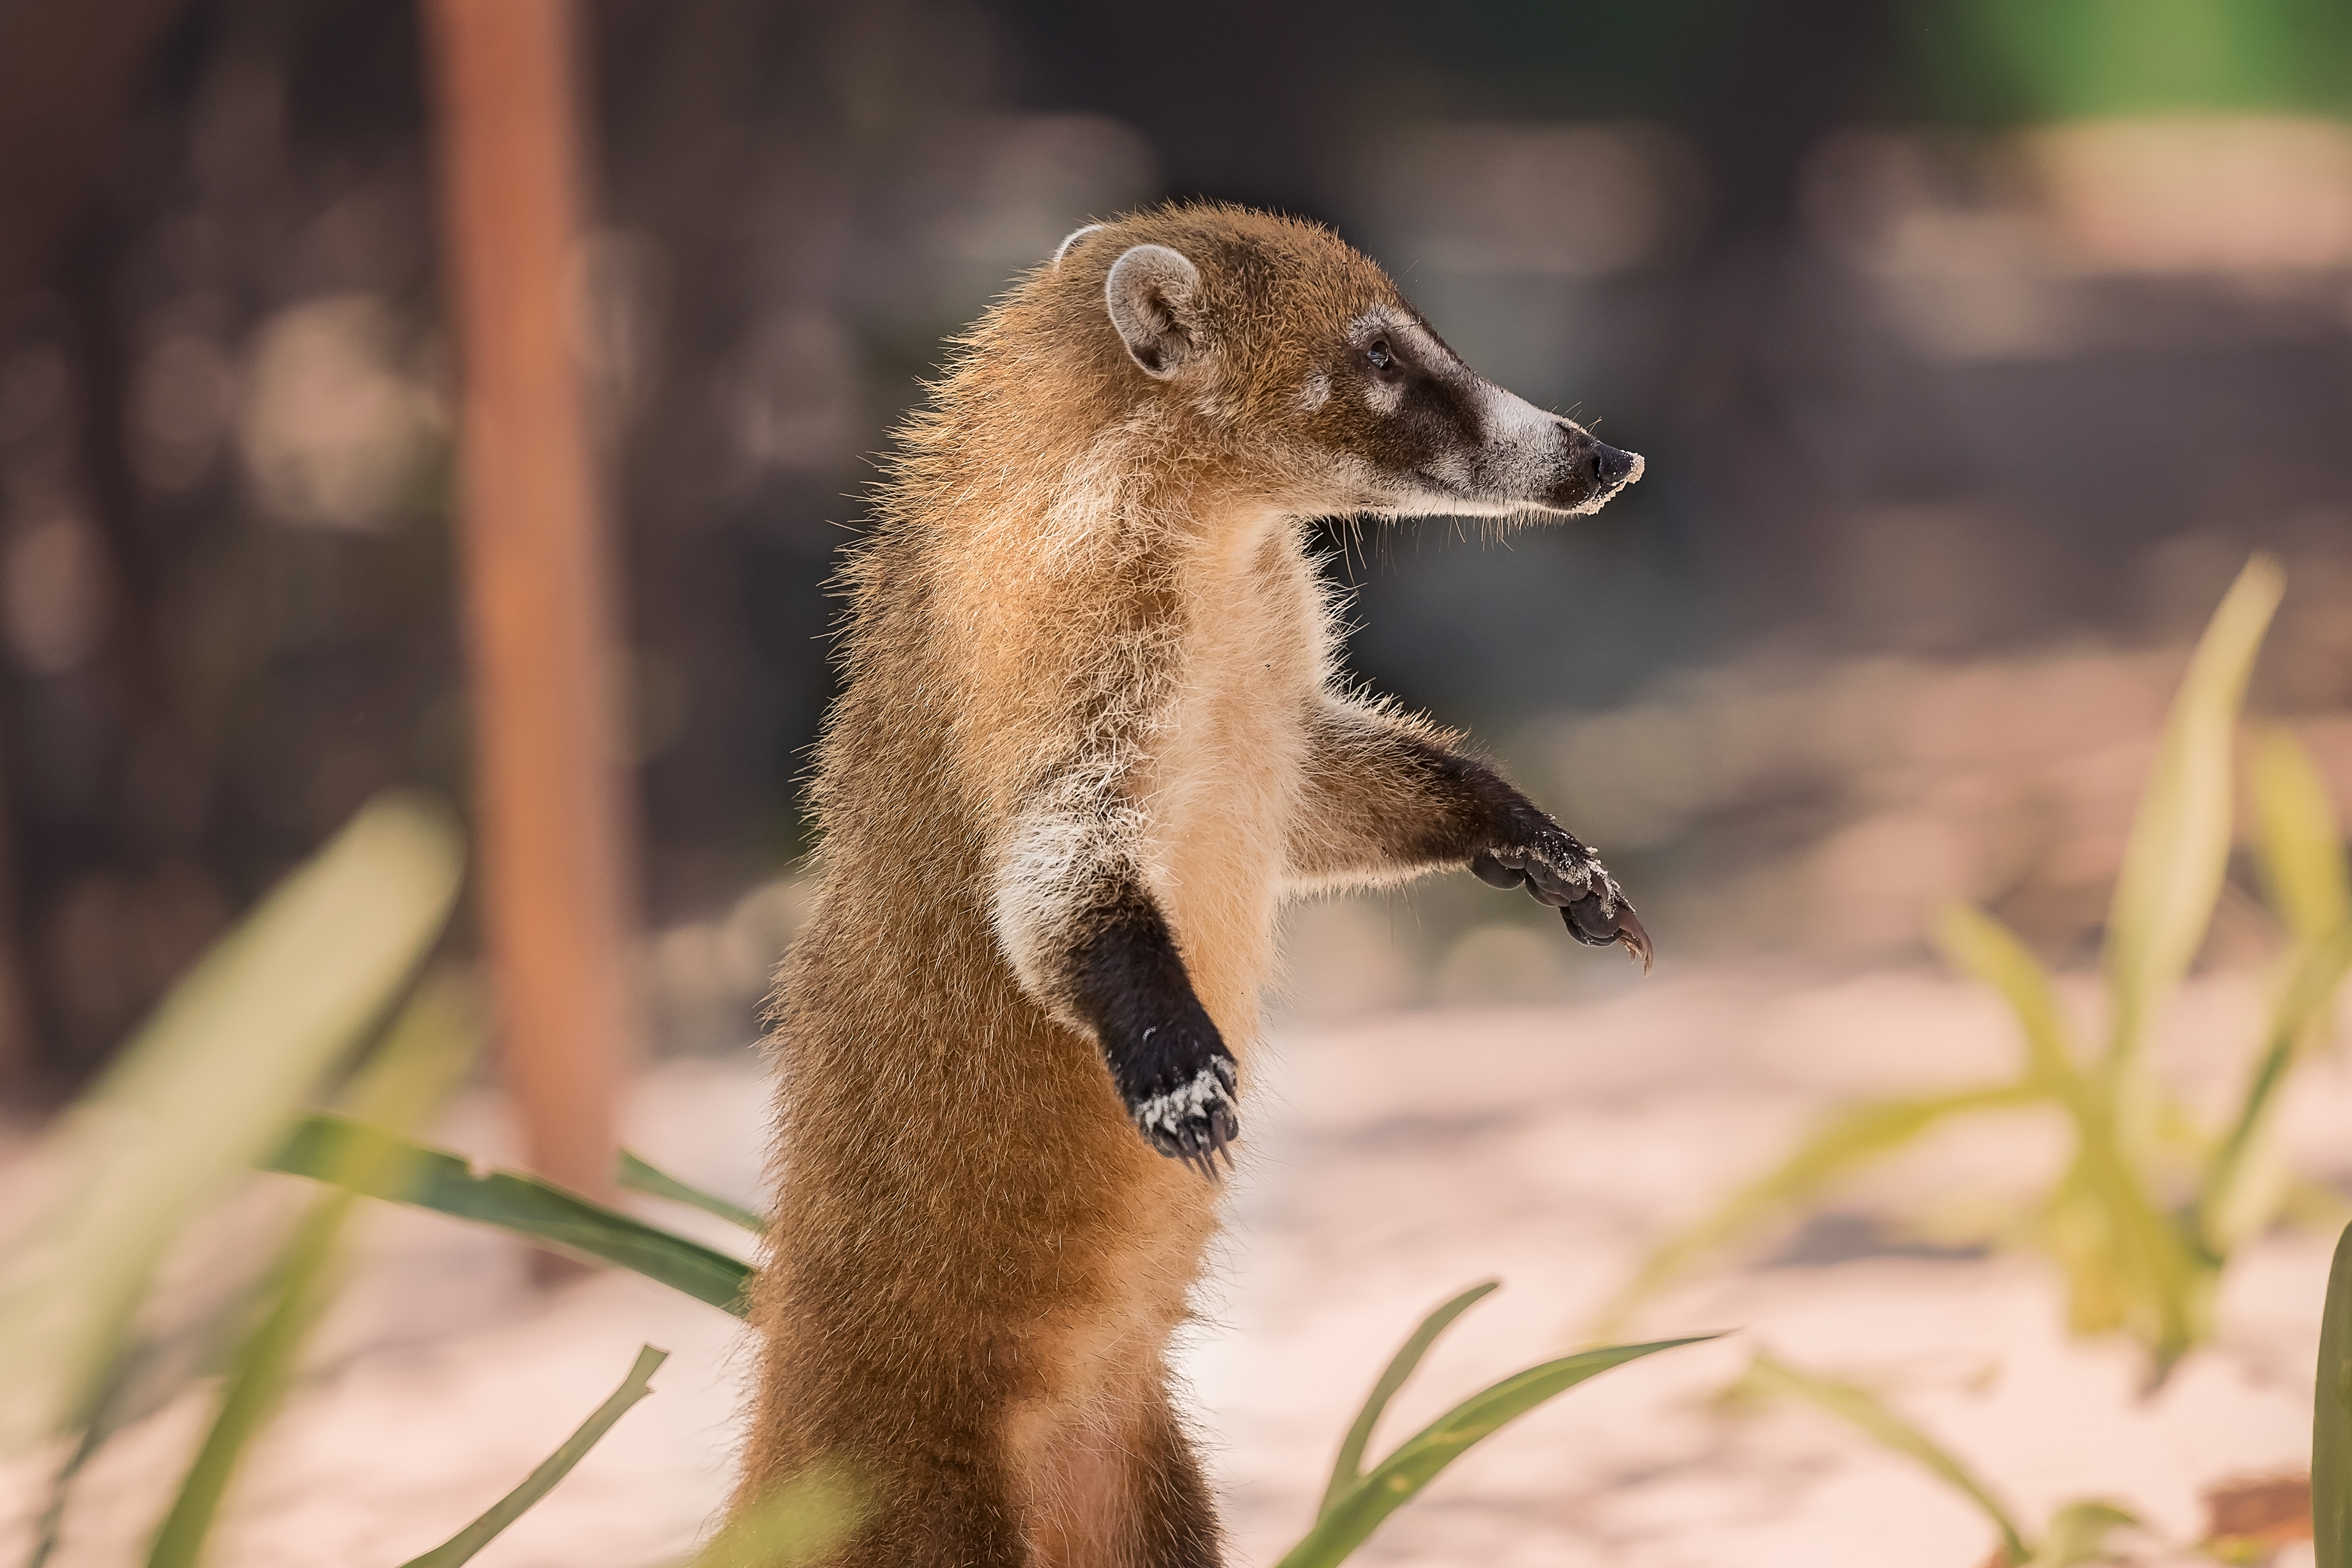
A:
<point x="1608" y="466"/>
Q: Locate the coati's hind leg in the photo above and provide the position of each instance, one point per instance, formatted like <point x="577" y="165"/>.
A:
<point x="1175" y="1515"/>
<point x="1123" y="1493"/>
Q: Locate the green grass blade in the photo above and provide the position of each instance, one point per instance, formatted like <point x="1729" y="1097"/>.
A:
<point x="1346" y="1470"/>
<point x="1988" y="952"/>
<point x="2299" y="841"/>
<point x="2223" y="1218"/>
<point x="1395" y="1480"/>
<point x="525" y="1205"/>
<point x="1849" y="1137"/>
<point x="1860" y="1408"/>
<point x="206" y="1087"/>
<point x="461" y="1547"/>
<point x="424" y="1057"/>
<point x="806" y="1518"/>
<point x="2331" y="1419"/>
<point x="2126" y="1251"/>
<point x="636" y="1176"/>
<point x="2179" y="844"/>
<point x="263" y="1370"/>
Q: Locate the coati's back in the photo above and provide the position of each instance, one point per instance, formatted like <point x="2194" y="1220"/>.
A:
<point x="1088" y="736"/>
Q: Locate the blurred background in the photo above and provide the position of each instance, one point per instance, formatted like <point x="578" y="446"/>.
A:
<point x="1972" y="344"/>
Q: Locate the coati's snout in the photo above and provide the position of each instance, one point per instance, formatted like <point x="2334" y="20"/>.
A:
<point x="1437" y="437"/>
<point x="1313" y="348"/>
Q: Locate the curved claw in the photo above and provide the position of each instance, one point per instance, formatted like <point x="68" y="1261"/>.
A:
<point x="1197" y="1123"/>
<point x="1588" y="924"/>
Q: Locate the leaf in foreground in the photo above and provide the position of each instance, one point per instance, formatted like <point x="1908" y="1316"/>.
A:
<point x="461" y="1547"/>
<point x="525" y="1205"/>
<point x="2331" y="1419"/>
<point x="2179" y="844"/>
<point x="422" y="1062"/>
<point x="806" y="1518"/>
<point x="1395" y="1480"/>
<point x="636" y="1175"/>
<point x="1346" y="1470"/>
<point x="206" y="1086"/>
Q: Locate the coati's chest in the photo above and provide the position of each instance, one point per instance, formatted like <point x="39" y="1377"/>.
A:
<point x="1227" y="755"/>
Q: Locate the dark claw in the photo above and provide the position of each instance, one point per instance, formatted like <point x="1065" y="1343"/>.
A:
<point x="1588" y="924"/>
<point x="1201" y="1139"/>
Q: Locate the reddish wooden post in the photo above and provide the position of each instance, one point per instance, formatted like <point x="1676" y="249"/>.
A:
<point x="553" y="803"/>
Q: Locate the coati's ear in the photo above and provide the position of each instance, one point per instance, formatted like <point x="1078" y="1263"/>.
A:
<point x="1151" y="296"/>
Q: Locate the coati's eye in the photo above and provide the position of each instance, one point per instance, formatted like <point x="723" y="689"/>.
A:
<point x="1381" y="356"/>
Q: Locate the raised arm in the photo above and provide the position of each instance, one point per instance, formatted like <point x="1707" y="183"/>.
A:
<point x="1388" y="796"/>
<point x="1078" y="922"/>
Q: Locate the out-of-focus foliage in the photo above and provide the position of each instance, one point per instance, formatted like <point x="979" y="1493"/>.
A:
<point x="423" y="1059"/>
<point x="215" y="1082"/>
<point x="204" y="1092"/>
<point x="2134" y="1258"/>
<point x="805" y="1518"/>
<point x="2068" y="59"/>
<point x="2077" y="1531"/>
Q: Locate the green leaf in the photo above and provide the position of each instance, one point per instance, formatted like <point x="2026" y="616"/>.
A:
<point x="461" y="1547"/>
<point x="2331" y="1419"/>
<point x="1860" y="1408"/>
<point x="525" y="1205"/>
<point x="2179" y="844"/>
<point x="1394" y="1482"/>
<point x="2227" y="1211"/>
<point x="1346" y="1470"/>
<point x="636" y="1176"/>
<point x="1849" y="1136"/>
<point x="2078" y="1533"/>
<point x="2128" y="1266"/>
<point x="423" y="1061"/>
<point x="1987" y="952"/>
<point x="806" y="1518"/>
<point x="2300" y="843"/>
<point x="204" y="1088"/>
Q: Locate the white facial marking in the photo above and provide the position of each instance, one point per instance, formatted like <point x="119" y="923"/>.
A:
<point x="1073" y="238"/>
<point x="1385" y="397"/>
<point x="1315" y="392"/>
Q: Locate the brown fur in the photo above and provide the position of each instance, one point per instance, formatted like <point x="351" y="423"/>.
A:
<point x="1085" y="606"/>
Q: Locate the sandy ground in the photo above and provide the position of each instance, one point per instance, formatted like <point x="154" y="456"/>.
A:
<point x="1391" y="1161"/>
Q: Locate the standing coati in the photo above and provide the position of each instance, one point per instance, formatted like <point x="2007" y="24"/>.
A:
<point x="1091" y="736"/>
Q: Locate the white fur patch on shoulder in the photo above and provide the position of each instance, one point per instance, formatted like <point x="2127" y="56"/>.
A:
<point x="1070" y="239"/>
<point x="1168" y="1113"/>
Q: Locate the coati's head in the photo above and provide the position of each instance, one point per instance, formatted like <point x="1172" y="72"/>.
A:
<point x="1305" y="354"/>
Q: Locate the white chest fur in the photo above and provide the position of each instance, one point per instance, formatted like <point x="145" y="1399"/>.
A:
<point x="1227" y="755"/>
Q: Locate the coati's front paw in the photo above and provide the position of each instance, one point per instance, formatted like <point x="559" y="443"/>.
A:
<point x="1559" y="871"/>
<point x="1196" y="1121"/>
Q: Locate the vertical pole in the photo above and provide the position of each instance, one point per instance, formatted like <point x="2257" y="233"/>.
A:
<point x="552" y="798"/>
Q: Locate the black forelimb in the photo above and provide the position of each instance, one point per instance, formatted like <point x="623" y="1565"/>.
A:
<point x="1509" y="842"/>
<point x="1166" y="1057"/>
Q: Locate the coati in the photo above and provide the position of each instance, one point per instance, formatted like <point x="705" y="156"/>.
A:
<point x="1090" y="737"/>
